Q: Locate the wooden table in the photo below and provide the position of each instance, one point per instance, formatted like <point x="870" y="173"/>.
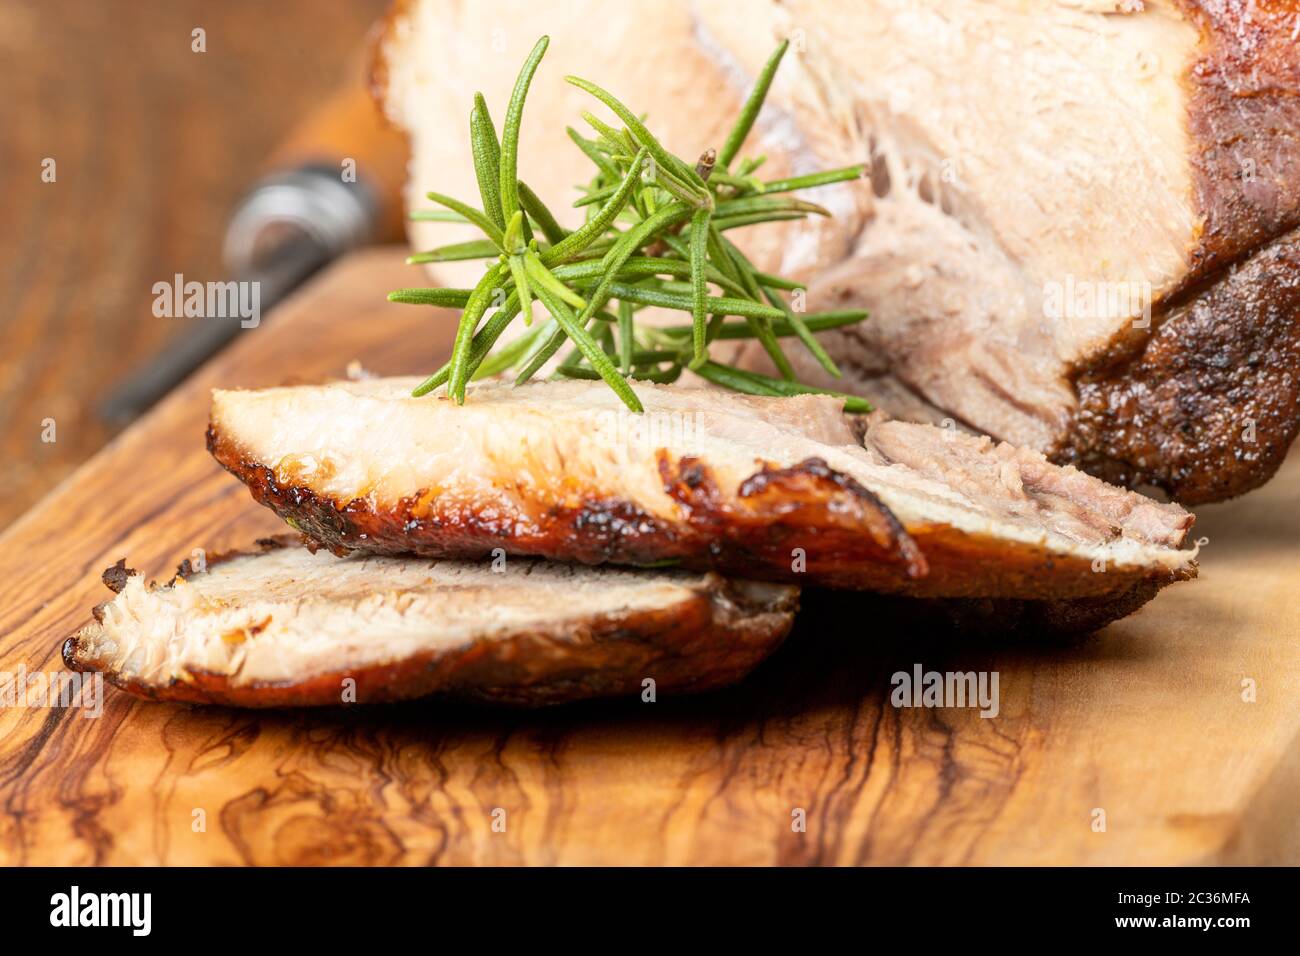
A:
<point x="153" y="143"/>
<point x="1146" y="721"/>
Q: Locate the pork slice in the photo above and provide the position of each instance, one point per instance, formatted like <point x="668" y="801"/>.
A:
<point x="772" y="488"/>
<point x="286" y="626"/>
<point x="1078" y="236"/>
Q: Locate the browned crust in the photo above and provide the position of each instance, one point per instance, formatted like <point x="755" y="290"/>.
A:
<point x="1170" y="406"/>
<point x="1244" y="120"/>
<point x="846" y="536"/>
<point x="711" y="639"/>
<point x="807" y="506"/>
<point x="115" y="578"/>
<point x="840" y="525"/>
<point x="1211" y="406"/>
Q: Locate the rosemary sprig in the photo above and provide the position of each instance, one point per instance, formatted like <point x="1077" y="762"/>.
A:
<point x="508" y="173"/>
<point x="653" y="236"/>
<point x="753" y="105"/>
<point x="487" y="159"/>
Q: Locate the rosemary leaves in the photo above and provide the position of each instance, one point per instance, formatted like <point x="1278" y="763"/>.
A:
<point x="655" y="235"/>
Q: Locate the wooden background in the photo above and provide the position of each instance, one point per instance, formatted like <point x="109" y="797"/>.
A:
<point x="1145" y="722"/>
<point x="154" y="144"/>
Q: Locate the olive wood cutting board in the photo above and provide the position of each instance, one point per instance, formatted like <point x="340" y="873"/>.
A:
<point x="1150" y="722"/>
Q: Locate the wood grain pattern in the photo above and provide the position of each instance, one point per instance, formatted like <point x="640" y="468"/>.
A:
<point x="154" y="143"/>
<point x="1145" y="721"/>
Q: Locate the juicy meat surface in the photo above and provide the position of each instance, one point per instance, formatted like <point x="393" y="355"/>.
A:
<point x="1078" y="233"/>
<point x="768" y="488"/>
<point x="286" y="626"/>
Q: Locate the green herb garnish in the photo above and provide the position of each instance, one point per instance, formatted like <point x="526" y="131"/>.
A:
<point x="654" y="235"/>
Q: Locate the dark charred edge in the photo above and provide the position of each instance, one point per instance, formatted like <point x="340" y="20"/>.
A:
<point x="712" y="639"/>
<point x="883" y="525"/>
<point x="70" y="648"/>
<point x="1146" y="416"/>
<point x="602" y="530"/>
<point x="1244" y="121"/>
<point x="806" y="506"/>
<point x="115" y="578"/>
<point x="751" y="538"/>
<point x="1211" y="406"/>
<point x="839" y="525"/>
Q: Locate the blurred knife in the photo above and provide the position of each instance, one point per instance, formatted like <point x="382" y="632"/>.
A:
<point x="333" y="186"/>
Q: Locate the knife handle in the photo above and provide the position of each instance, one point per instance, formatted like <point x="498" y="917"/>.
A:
<point x="338" y="177"/>
<point x="350" y="126"/>
<point x="334" y="184"/>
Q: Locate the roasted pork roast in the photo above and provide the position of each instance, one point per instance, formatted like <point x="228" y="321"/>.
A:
<point x="788" y="489"/>
<point x="1079" y="232"/>
<point x="286" y="626"/>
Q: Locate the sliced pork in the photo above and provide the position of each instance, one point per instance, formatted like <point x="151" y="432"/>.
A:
<point x="1079" y="234"/>
<point x="283" y="626"/>
<point x="784" y="489"/>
